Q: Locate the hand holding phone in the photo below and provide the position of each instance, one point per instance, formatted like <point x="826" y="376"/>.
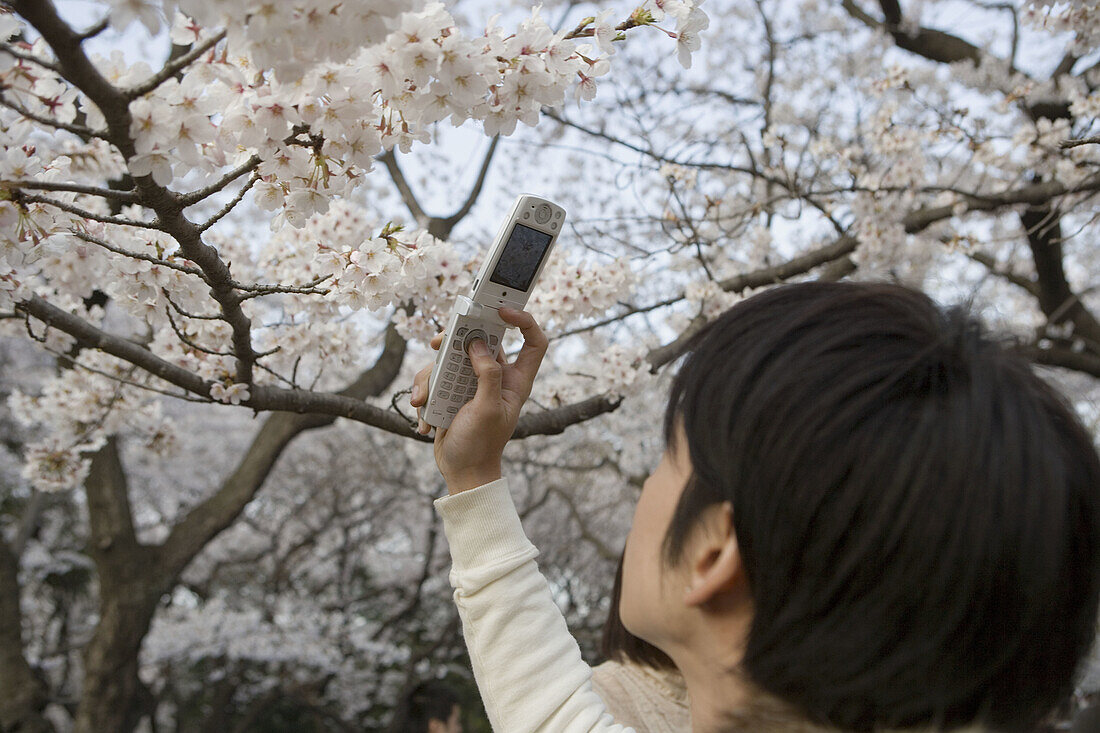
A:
<point x="468" y="453"/>
<point x="505" y="280"/>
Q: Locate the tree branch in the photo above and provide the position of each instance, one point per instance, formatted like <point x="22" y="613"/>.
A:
<point x="78" y="69"/>
<point x="552" y="422"/>
<point x="1057" y="356"/>
<point x="231" y="204"/>
<point x="30" y="58"/>
<point x="444" y="226"/>
<point x="932" y="44"/>
<point x="189" y="199"/>
<point x="174" y="67"/>
<point x="138" y="255"/>
<point x="83" y="132"/>
<point x="25" y="695"/>
<point x="1067" y="144"/>
<point x="220" y="510"/>
<point x="125" y="197"/>
<point x="85" y="214"/>
<point x="390" y="160"/>
<point x="1034" y="194"/>
<point x="1043" y="228"/>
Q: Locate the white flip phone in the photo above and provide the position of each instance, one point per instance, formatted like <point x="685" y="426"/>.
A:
<point x="505" y="280"/>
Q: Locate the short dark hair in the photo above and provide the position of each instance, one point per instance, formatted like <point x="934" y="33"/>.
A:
<point x="430" y="700"/>
<point x="916" y="510"/>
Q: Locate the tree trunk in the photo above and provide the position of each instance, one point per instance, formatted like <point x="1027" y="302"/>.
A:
<point x="23" y="696"/>
<point x="111" y="689"/>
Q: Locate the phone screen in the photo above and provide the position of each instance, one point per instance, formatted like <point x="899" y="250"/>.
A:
<point x="520" y="259"/>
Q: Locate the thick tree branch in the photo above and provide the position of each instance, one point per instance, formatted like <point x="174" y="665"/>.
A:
<point x="1043" y="228"/>
<point x="1020" y="281"/>
<point x="932" y="44"/>
<point x="941" y="47"/>
<point x="443" y="227"/>
<point x="389" y="159"/>
<point x="552" y="422"/>
<point x="112" y="537"/>
<point x="25" y="694"/>
<point x="321" y="405"/>
<point x="1034" y="194"/>
<point x="220" y="510"/>
<point x="1060" y="356"/>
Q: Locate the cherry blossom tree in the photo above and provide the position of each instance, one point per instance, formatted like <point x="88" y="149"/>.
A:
<point x="125" y="255"/>
<point x="216" y="241"/>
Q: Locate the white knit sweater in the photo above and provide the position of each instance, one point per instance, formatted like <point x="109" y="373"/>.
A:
<point x="527" y="665"/>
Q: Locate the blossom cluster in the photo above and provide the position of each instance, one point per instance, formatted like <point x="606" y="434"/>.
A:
<point x="316" y="126"/>
<point x="569" y="292"/>
<point x="284" y="107"/>
<point x="1079" y="17"/>
<point x="75" y="412"/>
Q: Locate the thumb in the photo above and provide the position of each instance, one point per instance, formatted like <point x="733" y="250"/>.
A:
<point x="488" y="371"/>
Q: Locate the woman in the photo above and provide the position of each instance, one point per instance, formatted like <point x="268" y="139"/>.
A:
<point x="869" y="516"/>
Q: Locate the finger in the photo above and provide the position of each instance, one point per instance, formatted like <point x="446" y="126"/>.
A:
<point x="437" y="341"/>
<point x="535" y="342"/>
<point x="419" y="394"/>
<point x="488" y="372"/>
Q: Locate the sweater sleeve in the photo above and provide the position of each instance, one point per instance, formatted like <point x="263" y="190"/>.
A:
<point x="527" y="665"/>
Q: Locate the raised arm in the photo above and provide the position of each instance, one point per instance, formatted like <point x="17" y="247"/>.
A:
<point x="527" y="665"/>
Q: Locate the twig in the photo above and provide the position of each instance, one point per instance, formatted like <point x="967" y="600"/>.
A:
<point x="173" y="67"/>
<point x="184" y="313"/>
<point x="255" y="291"/>
<point x="232" y="204"/>
<point x="95" y="30"/>
<point x="77" y="130"/>
<point x="138" y="385"/>
<point x="85" y="214"/>
<point x="1067" y="144"/>
<point x="475" y="192"/>
<point x="187" y="340"/>
<point x="126" y="197"/>
<point x="28" y="57"/>
<point x="138" y="255"/>
<point x="274" y="373"/>
<point x="189" y="199"/>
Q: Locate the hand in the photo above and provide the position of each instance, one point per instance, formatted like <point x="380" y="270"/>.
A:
<point x="468" y="453"/>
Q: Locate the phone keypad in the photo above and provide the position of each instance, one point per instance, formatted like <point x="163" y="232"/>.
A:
<point x="457" y="383"/>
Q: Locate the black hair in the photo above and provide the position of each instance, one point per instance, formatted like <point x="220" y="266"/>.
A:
<point x="430" y="700"/>
<point x="917" y="512"/>
<point x="618" y="644"/>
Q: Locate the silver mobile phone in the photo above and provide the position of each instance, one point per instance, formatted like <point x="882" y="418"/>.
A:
<point x="506" y="278"/>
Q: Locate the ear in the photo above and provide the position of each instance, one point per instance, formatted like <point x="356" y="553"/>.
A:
<point x="714" y="556"/>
